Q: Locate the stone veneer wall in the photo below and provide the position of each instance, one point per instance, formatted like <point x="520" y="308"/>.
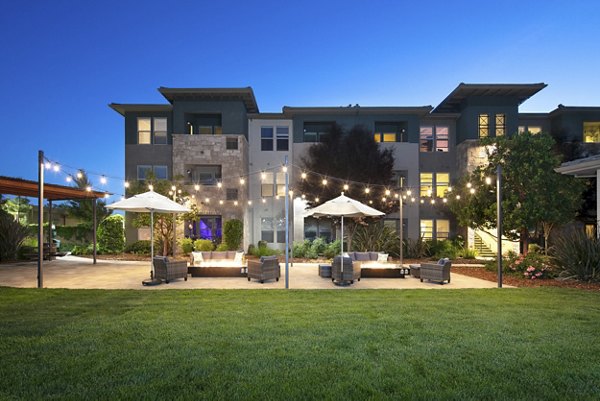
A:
<point x="469" y="156"/>
<point x="211" y="149"/>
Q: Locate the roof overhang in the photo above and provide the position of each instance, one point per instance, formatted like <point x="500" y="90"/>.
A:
<point x="521" y="92"/>
<point x="244" y="94"/>
<point x="356" y="110"/>
<point x="21" y="187"/>
<point x="125" y="108"/>
<point x="582" y="168"/>
<point x="560" y="109"/>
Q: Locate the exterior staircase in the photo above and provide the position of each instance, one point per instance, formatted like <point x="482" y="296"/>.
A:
<point x="482" y="249"/>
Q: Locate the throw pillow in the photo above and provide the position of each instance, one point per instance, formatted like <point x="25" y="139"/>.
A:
<point x="382" y="257"/>
<point x="238" y="257"/>
<point x="197" y="257"/>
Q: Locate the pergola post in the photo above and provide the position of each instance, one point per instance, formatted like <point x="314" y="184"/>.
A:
<point x="49" y="229"/>
<point x="598" y="203"/>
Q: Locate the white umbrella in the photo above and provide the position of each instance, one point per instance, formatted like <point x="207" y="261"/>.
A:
<point x="343" y="206"/>
<point x="149" y="202"/>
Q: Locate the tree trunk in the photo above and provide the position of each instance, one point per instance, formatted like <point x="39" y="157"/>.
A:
<point x="524" y="240"/>
<point x="547" y="227"/>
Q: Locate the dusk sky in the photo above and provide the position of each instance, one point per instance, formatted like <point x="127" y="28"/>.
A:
<point x="65" y="61"/>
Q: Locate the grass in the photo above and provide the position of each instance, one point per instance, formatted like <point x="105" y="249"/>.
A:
<point x="312" y="345"/>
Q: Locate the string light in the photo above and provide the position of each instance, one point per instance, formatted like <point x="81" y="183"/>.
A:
<point x="242" y="181"/>
<point x="197" y="187"/>
<point x="69" y="179"/>
<point x="284" y="169"/>
<point x="235" y="203"/>
<point x="48" y="165"/>
<point x="126" y="184"/>
<point x="367" y="190"/>
<point x="317" y="200"/>
<point x="263" y="176"/>
<point x="472" y="190"/>
<point x="488" y="180"/>
<point x="249" y="203"/>
<point x="219" y="184"/>
<point x="220" y="202"/>
<point x="324" y="182"/>
<point x="207" y="200"/>
<point x="56" y="168"/>
<point x="79" y="174"/>
<point x="303" y="175"/>
<point x="151" y="187"/>
<point x="387" y="192"/>
<point x="469" y="185"/>
<point x="103" y="180"/>
<point x="346" y="187"/>
<point x="88" y="188"/>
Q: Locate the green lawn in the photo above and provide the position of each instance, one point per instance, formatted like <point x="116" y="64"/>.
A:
<point x="309" y="345"/>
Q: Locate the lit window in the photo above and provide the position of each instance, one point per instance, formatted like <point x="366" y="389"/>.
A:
<point x="442" y="229"/>
<point x="590" y="231"/>
<point x="266" y="229"/>
<point x="283" y="138"/>
<point x="591" y="132"/>
<point x="377" y="137"/>
<point x="426" y="139"/>
<point x="484" y="125"/>
<point x="266" y="187"/>
<point x="144" y="131"/>
<point x="427" y="230"/>
<point x="280" y="223"/>
<point x="500" y="124"/>
<point x="160" y="131"/>
<point x="266" y="138"/>
<point x="442" y="180"/>
<point x="280" y="184"/>
<point x="522" y="129"/>
<point x="205" y="124"/>
<point x="390" y="131"/>
<point x="426" y="184"/>
<point x="532" y="129"/>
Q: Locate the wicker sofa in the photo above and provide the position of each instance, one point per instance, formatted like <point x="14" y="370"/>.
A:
<point x="351" y="270"/>
<point x="217" y="264"/>
<point x="266" y="268"/>
<point x="166" y="270"/>
<point x="439" y="271"/>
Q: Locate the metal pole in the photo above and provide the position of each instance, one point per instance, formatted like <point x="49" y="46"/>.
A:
<point x="401" y="230"/>
<point x="49" y="230"/>
<point x="287" y="224"/>
<point x="95" y="229"/>
<point x="40" y="276"/>
<point x="499" y="221"/>
<point x="174" y="224"/>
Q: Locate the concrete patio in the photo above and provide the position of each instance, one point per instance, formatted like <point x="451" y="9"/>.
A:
<point x="79" y="273"/>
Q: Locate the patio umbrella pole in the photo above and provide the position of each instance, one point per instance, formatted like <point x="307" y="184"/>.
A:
<point x="342" y="248"/>
<point x="152" y="244"/>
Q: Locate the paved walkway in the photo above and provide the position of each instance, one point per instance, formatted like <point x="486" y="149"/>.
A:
<point x="75" y="272"/>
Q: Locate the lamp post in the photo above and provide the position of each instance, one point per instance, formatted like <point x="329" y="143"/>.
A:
<point x="174" y="193"/>
<point x="287" y="222"/>
<point x="499" y="221"/>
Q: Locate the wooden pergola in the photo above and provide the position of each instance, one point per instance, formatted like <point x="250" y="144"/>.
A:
<point x="50" y="192"/>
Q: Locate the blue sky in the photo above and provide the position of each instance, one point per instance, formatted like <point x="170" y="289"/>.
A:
<point x="64" y="61"/>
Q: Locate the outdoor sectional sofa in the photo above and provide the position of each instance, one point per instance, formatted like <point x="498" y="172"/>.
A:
<point x="375" y="265"/>
<point x="217" y="264"/>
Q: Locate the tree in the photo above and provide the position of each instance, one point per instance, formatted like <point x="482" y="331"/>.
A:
<point x="354" y="157"/>
<point x="19" y="208"/>
<point x="111" y="234"/>
<point x="83" y="208"/>
<point x="532" y="192"/>
<point x="163" y="222"/>
<point x="233" y="233"/>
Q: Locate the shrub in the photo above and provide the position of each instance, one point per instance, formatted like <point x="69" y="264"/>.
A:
<point x="532" y="266"/>
<point x="203" y="245"/>
<point x="442" y="249"/>
<point x="468" y="253"/>
<point x="251" y="249"/>
<point x="376" y="237"/>
<point x="416" y="249"/>
<point x="187" y="245"/>
<point x="233" y="232"/>
<point x="577" y="256"/>
<point x="262" y="250"/>
<point x="141" y="247"/>
<point x="332" y="249"/>
<point x="317" y="247"/>
<point x="12" y="235"/>
<point x="222" y="247"/>
<point x="111" y="234"/>
<point x="82" y="250"/>
<point x="300" y="248"/>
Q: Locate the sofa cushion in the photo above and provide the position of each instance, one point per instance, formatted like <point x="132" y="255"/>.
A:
<point x="197" y="258"/>
<point x="263" y="258"/>
<point x="362" y="256"/>
<point x="373" y="256"/>
<point x="219" y="255"/>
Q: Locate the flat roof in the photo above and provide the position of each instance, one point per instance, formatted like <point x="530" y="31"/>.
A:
<point x="574" y="109"/>
<point x="244" y="94"/>
<point x="21" y="187"/>
<point x="453" y="101"/>
<point x="122" y="108"/>
<point x="356" y="110"/>
<point x="583" y="168"/>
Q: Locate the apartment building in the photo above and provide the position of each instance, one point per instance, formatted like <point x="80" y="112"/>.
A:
<point x="231" y="155"/>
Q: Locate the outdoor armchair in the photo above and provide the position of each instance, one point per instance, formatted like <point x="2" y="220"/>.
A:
<point x="351" y="270"/>
<point x="264" y="269"/>
<point x="165" y="270"/>
<point x="439" y="271"/>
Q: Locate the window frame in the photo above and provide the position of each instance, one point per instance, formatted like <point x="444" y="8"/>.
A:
<point x="500" y="124"/>
<point x="595" y="133"/>
<point x="266" y="142"/>
<point x="282" y="138"/>
<point x="147" y="132"/>
<point x="483" y="125"/>
<point x="155" y="131"/>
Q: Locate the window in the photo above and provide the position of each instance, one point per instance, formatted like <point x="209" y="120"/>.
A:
<point x="390" y="132"/>
<point x="433" y="138"/>
<point x="442" y="181"/>
<point x="144" y="131"/>
<point x="283" y="138"/>
<point x="266" y="229"/>
<point x="142" y="172"/>
<point x="280" y="184"/>
<point x="208" y="227"/>
<point x="160" y="131"/>
<point x="484" y="125"/>
<point x="160" y="172"/>
<point x="437" y="188"/>
<point x="317" y="131"/>
<point x="591" y="132"/>
<point x="205" y="174"/>
<point x="231" y="143"/>
<point x="317" y="228"/>
<point x="590" y="231"/>
<point x="266" y="138"/>
<point x="427" y="230"/>
<point x="281" y="230"/>
<point x="500" y="124"/>
<point x="231" y="194"/>
<point x="426" y="184"/>
<point x="442" y="229"/>
<point x="426" y="139"/>
<point x="532" y="129"/>
<point x="400" y="178"/>
<point x="394" y="224"/>
<point x="266" y="187"/>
